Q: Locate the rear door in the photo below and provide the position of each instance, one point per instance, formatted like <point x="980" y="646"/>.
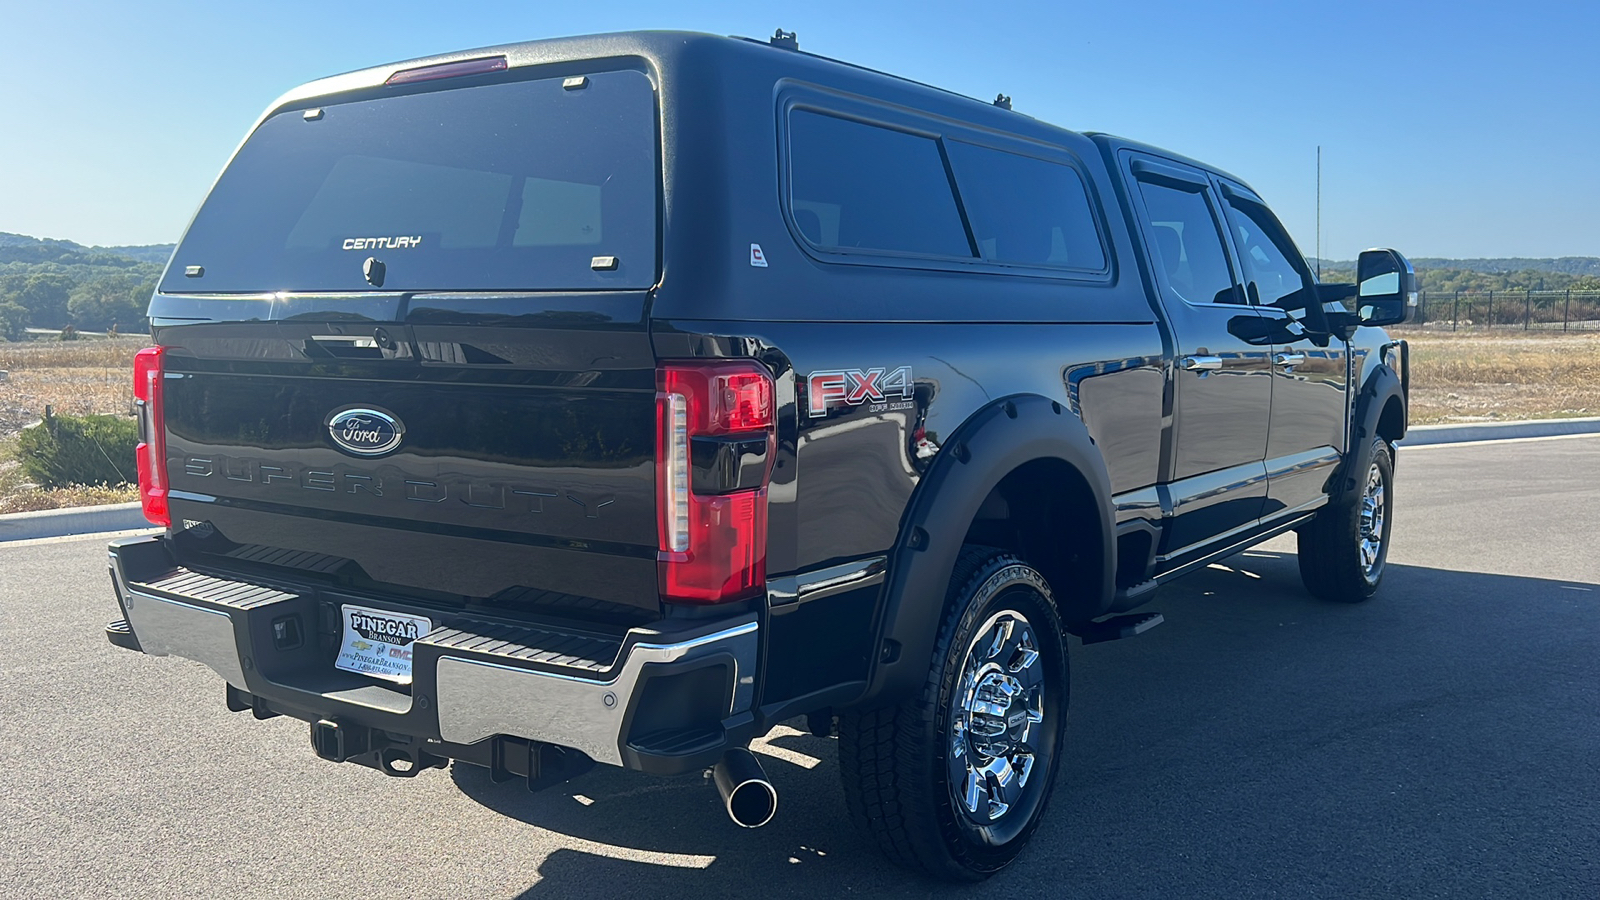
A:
<point x="1222" y="387"/>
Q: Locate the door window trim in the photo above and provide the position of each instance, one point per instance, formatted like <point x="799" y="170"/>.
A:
<point x="1164" y="173"/>
<point x="1233" y="191"/>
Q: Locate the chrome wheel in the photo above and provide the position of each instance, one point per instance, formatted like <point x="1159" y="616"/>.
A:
<point x="954" y="779"/>
<point x="996" y="711"/>
<point x="1372" y="521"/>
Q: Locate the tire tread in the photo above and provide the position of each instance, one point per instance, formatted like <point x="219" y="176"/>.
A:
<point x="1330" y="566"/>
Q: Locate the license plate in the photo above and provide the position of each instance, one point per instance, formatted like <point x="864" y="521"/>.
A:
<point x="377" y="642"/>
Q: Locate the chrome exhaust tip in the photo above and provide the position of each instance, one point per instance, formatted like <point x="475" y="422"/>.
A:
<point x="747" y="795"/>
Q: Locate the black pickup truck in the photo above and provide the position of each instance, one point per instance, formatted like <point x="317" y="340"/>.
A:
<point x="615" y="399"/>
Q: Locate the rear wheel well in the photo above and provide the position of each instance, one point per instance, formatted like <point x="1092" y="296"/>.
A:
<point x="1045" y="512"/>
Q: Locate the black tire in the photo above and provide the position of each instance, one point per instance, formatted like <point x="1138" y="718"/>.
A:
<point x="896" y="761"/>
<point x="1333" y="562"/>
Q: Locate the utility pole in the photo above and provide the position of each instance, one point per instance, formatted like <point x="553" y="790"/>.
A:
<point x="1319" y="212"/>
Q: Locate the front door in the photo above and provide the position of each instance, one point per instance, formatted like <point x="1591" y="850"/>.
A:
<point x="1310" y="378"/>
<point x="1222" y="387"/>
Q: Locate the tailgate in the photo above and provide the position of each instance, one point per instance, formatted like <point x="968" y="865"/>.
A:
<point x="520" y="473"/>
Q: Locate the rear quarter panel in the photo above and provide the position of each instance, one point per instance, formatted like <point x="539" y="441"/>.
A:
<point x="843" y="480"/>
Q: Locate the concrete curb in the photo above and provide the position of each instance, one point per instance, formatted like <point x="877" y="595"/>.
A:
<point x="128" y="516"/>
<point x="1423" y="435"/>
<point x="75" y="520"/>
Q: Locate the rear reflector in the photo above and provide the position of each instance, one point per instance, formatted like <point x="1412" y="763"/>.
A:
<point x="712" y="548"/>
<point x="448" y="70"/>
<point x="150" y="456"/>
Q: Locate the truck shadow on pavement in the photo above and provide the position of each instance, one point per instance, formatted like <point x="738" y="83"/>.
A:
<point x="1259" y="743"/>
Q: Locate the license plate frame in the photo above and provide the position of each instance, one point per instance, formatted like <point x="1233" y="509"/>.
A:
<point x="378" y="642"/>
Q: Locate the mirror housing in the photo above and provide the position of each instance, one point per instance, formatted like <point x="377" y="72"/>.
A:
<point x="1386" y="288"/>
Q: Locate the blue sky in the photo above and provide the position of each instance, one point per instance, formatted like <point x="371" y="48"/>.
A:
<point x="1461" y="129"/>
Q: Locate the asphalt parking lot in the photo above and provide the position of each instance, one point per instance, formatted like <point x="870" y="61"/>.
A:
<point x="1442" y="740"/>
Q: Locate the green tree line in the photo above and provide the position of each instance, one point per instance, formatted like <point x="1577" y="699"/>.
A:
<point x="1528" y="280"/>
<point x="1445" y="281"/>
<point x="52" y="296"/>
<point x="53" y="284"/>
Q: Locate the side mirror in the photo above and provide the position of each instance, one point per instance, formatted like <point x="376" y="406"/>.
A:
<point x="1386" y="288"/>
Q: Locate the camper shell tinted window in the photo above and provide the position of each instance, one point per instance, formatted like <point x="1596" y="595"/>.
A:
<point x="877" y="192"/>
<point x="1025" y="210"/>
<point x="864" y="187"/>
<point x="507" y="186"/>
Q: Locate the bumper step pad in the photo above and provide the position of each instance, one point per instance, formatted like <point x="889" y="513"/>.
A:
<point x="594" y="655"/>
<point x="183" y="584"/>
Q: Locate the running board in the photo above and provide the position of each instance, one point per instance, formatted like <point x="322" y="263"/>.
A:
<point x="1116" y="627"/>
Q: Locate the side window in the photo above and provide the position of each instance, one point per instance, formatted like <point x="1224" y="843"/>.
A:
<point x="1026" y="210"/>
<point x="1267" y="253"/>
<point x="862" y="187"/>
<point x="1188" y="246"/>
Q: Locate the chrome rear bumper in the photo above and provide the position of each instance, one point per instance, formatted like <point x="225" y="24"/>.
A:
<point x="473" y="681"/>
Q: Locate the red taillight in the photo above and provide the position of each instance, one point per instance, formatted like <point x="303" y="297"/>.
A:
<point x="745" y="402"/>
<point x="151" y="455"/>
<point x="713" y="545"/>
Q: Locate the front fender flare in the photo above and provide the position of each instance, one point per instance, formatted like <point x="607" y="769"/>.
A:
<point x="989" y="445"/>
<point x="1382" y="385"/>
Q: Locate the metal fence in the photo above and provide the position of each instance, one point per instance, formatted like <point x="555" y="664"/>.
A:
<point x="1527" y="310"/>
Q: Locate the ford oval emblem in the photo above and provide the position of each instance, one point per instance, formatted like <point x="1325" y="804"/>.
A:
<point x="365" y="431"/>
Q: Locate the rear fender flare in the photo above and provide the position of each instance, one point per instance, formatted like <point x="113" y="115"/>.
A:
<point x="992" y="443"/>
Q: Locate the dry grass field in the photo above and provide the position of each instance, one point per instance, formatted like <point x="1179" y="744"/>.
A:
<point x="1503" y="375"/>
<point x="74" y="378"/>
<point x="1456" y="377"/>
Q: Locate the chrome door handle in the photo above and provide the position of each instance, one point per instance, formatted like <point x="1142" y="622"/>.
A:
<point x="1201" y="363"/>
<point x="1288" y="360"/>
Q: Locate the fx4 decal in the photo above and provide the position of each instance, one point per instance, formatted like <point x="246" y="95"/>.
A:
<point x="854" y="387"/>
